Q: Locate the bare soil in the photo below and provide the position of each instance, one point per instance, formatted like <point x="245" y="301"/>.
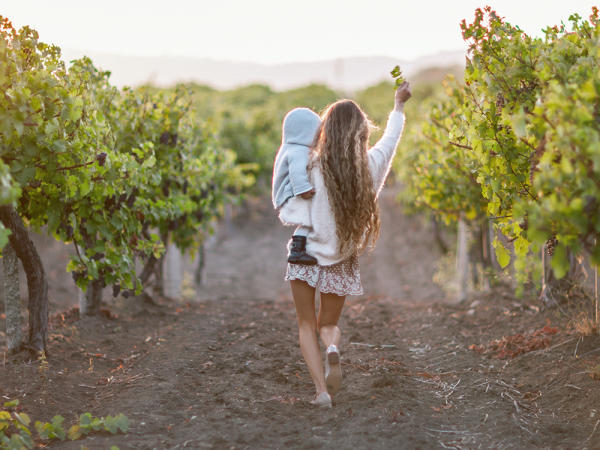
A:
<point x="221" y="367"/>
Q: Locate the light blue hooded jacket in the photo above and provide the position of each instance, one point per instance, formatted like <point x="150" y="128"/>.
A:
<point x="290" y="176"/>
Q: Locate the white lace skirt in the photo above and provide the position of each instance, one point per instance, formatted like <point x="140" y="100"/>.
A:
<point x="340" y="279"/>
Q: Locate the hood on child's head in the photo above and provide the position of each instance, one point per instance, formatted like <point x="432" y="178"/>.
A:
<point x="300" y="126"/>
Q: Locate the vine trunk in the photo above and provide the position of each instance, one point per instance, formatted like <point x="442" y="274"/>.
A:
<point x="37" y="284"/>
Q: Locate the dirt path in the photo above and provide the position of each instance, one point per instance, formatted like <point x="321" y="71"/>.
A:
<point x="247" y="259"/>
<point x="225" y="370"/>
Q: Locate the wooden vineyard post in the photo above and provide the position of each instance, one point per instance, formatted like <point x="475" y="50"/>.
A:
<point x="491" y="237"/>
<point x="228" y="219"/>
<point x="12" y="299"/>
<point x="200" y="266"/>
<point x="462" y="260"/>
<point x="173" y="270"/>
<point x="544" y="263"/>
<point x="91" y="300"/>
<point x="596" y="306"/>
<point x="546" y="294"/>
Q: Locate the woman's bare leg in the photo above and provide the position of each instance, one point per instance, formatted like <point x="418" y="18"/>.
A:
<point x="329" y="314"/>
<point x="304" y="300"/>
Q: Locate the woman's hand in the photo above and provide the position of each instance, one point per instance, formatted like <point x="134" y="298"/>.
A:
<point x="403" y="93"/>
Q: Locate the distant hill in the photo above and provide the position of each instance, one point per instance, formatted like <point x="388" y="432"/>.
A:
<point x="344" y="74"/>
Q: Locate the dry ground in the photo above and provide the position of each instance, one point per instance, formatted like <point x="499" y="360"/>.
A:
<point x="222" y="369"/>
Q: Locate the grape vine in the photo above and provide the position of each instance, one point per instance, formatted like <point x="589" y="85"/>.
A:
<point x="518" y="141"/>
<point x="118" y="173"/>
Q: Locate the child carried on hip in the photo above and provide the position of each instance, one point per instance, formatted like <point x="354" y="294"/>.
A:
<point x="291" y="187"/>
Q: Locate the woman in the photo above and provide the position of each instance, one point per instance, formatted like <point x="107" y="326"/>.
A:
<point x="345" y="220"/>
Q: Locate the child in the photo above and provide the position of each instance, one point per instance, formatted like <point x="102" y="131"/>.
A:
<point x="291" y="186"/>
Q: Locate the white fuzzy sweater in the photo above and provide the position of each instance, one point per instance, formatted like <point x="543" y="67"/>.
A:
<point x="322" y="242"/>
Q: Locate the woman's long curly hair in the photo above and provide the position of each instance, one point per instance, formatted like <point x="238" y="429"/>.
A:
<point x="341" y="152"/>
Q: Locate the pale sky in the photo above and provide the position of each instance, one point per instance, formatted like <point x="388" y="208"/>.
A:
<point x="272" y="31"/>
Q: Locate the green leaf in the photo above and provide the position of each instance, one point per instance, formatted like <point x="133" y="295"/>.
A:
<point x="53" y="219"/>
<point x="45" y="430"/>
<point x="18" y="441"/>
<point x="521" y="246"/>
<point x="57" y="422"/>
<point x="96" y="424"/>
<point x="502" y="255"/>
<point x="25" y="175"/>
<point x="122" y="422"/>
<point x="76" y="109"/>
<point x="75" y="432"/>
<point x="519" y="123"/>
<point x="23" y="418"/>
<point x="149" y="162"/>
<point x="84" y="188"/>
<point x="110" y="425"/>
<point x="19" y="127"/>
<point x="11" y="404"/>
<point x="59" y="146"/>
<point x="85" y="419"/>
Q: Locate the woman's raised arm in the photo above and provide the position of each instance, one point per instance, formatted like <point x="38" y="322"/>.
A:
<point x="382" y="153"/>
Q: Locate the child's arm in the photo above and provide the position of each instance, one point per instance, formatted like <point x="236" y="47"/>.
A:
<point x="297" y="163"/>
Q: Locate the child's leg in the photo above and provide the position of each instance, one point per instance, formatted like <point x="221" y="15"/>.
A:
<point x="301" y="231"/>
<point x="298" y="253"/>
